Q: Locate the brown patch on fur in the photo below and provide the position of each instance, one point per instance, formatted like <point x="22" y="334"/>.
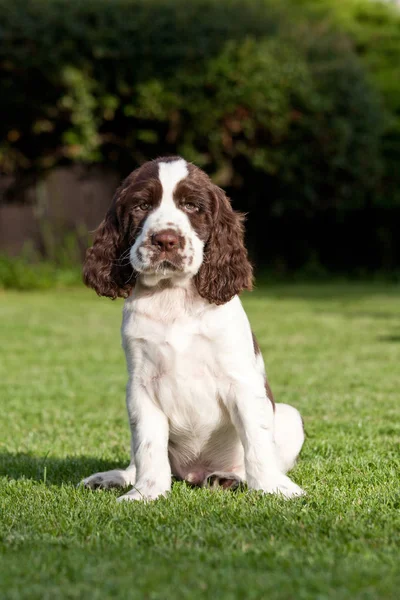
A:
<point x="269" y="393"/>
<point x="226" y="270"/>
<point x="107" y="268"/>
<point x="255" y="344"/>
<point x="194" y="189"/>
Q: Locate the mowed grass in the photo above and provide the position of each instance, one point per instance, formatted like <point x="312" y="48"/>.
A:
<point x="333" y="351"/>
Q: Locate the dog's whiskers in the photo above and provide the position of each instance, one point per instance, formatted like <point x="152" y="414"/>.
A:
<point x="124" y="259"/>
<point x="129" y="278"/>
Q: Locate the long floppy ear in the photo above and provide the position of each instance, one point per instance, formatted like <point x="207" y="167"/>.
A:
<point x="107" y="268"/>
<point x="226" y="269"/>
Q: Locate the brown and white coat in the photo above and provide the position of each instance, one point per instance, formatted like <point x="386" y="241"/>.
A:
<point x="198" y="402"/>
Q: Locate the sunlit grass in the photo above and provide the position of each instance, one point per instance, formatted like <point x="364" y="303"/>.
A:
<point x="333" y="351"/>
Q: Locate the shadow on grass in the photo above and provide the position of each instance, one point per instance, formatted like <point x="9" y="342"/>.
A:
<point x="358" y="314"/>
<point x="323" y="290"/>
<point x="394" y="339"/>
<point x="55" y="471"/>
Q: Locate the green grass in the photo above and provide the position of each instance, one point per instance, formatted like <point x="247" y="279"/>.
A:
<point x="333" y="351"/>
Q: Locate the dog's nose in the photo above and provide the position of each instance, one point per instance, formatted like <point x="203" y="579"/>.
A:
<point x="165" y="240"/>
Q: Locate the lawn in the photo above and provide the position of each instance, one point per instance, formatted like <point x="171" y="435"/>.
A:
<point x="332" y="351"/>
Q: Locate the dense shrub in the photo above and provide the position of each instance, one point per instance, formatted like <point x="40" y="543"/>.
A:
<point x="70" y="71"/>
<point x="20" y="273"/>
<point x="276" y="107"/>
<point x="374" y="30"/>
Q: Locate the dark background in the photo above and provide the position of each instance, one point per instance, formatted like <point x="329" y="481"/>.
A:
<point x="292" y="107"/>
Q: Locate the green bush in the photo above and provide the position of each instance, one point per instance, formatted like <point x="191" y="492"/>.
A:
<point x="19" y="273"/>
<point x="276" y="106"/>
<point x="70" y="71"/>
<point x="121" y="80"/>
<point x="374" y="29"/>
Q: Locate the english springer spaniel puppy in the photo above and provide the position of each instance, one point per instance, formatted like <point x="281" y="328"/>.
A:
<point x="199" y="404"/>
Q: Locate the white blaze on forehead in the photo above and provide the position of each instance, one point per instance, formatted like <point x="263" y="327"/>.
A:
<point x="167" y="216"/>
<point x="170" y="174"/>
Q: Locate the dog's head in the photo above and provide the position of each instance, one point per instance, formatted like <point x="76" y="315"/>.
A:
<point x="169" y="221"/>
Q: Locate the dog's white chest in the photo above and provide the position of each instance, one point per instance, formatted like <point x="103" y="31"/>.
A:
<point x="176" y="362"/>
<point x="177" y="339"/>
<point x="182" y="371"/>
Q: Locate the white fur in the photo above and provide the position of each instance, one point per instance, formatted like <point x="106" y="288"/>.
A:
<point x="196" y="394"/>
<point x="195" y="386"/>
<point x="289" y="435"/>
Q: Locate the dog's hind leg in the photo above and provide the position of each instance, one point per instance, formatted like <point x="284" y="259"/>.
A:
<point x="219" y="479"/>
<point x="289" y="435"/>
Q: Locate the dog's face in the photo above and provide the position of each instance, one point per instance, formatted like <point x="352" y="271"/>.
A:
<point x="175" y="223"/>
<point x="169" y="221"/>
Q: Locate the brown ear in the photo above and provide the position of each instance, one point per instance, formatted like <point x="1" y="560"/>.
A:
<point x="225" y="270"/>
<point x="107" y="268"/>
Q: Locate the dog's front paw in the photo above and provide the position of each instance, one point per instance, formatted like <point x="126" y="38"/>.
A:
<point x="280" y="484"/>
<point x="110" y="479"/>
<point x="144" y="492"/>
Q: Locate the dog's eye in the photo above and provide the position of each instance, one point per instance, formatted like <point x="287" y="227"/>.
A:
<point x="191" y="207"/>
<point x="145" y="206"/>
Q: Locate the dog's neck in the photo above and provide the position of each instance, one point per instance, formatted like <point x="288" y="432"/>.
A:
<point x="167" y="300"/>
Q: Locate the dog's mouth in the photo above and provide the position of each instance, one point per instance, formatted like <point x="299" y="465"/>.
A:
<point x="167" y="265"/>
<point x="163" y="267"/>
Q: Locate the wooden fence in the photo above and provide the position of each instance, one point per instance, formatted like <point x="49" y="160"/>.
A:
<point x="68" y="203"/>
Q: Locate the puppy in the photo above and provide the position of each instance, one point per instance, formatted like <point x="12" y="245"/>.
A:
<point x="199" y="405"/>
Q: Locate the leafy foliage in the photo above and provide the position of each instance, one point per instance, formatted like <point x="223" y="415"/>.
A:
<point x="19" y="273"/>
<point x="123" y="80"/>
<point x="277" y="104"/>
<point x="374" y="29"/>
